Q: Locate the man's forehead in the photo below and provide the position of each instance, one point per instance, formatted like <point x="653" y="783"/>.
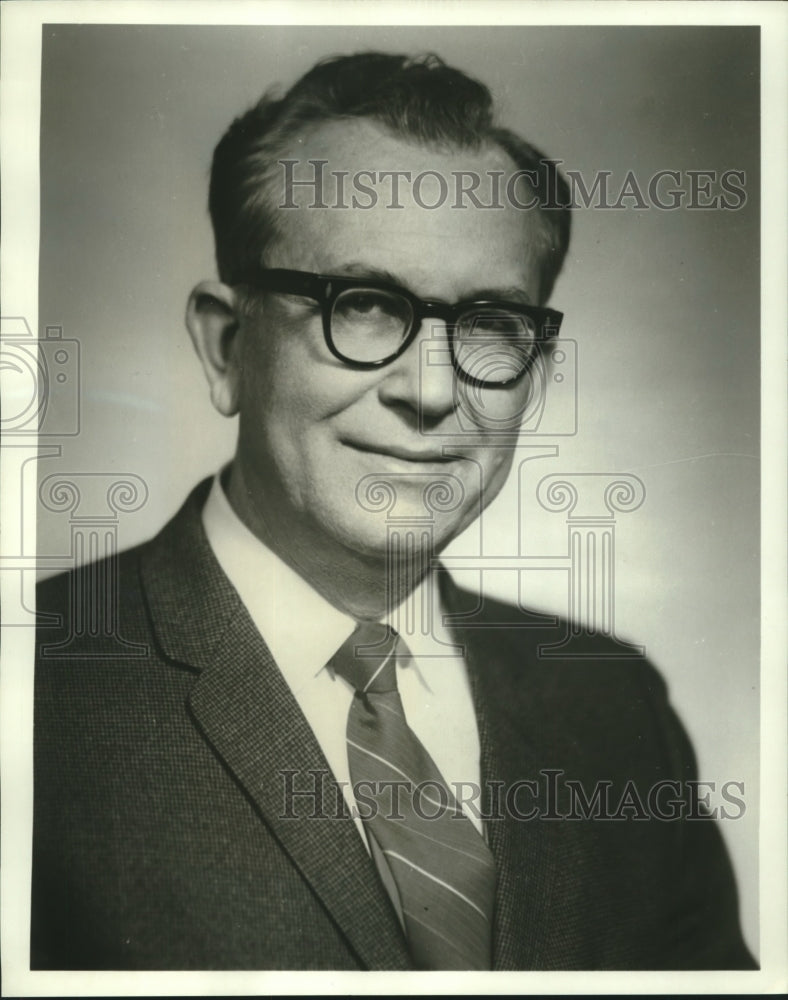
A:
<point x="352" y="192"/>
<point x="350" y="157"/>
<point x="355" y="143"/>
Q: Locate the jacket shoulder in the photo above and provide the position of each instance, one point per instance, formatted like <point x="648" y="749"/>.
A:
<point x="599" y="697"/>
<point x="96" y="607"/>
<point x="545" y="642"/>
<point x="87" y="610"/>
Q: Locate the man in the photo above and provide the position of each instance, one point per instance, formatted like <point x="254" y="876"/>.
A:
<point x="329" y="757"/>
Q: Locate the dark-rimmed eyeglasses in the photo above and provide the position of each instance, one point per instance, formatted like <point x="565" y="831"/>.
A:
<point x="369" y="323"/>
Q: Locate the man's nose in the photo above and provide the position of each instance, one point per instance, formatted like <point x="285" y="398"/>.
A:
<point x="422" y="378"/>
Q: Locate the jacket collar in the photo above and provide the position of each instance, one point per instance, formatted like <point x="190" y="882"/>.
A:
<point x="244" y="709"/>
<point x="507" y="694"/>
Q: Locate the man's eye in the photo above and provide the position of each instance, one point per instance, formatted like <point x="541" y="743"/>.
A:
<point x="299" y="302"/>
<point x="366" y="303"/>
<point x="503" y="325"/>
<point x="372" y="311"/>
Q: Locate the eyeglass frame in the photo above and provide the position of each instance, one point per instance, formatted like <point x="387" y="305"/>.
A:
<point x="325" y="289"/>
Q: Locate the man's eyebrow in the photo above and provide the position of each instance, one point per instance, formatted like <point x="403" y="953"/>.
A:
<point x="359" y="270"/>
<point x="355" y="269"/>
<point x="509" y="293"/>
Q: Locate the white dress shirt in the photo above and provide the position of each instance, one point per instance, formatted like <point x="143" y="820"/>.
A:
<point x="303" y="632"/>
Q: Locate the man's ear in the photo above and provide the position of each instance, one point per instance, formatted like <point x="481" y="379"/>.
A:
<point x="212" y="319"/>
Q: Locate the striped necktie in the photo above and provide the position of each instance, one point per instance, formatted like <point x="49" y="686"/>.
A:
<point x="443" y="870"/>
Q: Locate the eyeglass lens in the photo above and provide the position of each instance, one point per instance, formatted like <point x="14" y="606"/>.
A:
<point x="491" y="344"/>
<point x="494" y="345"/>
<point x="369" y="325"/>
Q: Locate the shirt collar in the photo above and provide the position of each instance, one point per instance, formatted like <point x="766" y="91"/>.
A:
<point x="301" y="628"/>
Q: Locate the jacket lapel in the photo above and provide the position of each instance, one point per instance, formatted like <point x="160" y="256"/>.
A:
<point x="525" y="851"/>
<point x="244" y="708"/>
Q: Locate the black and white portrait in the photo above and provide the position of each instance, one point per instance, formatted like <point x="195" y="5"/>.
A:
<point x="386" y="525"/>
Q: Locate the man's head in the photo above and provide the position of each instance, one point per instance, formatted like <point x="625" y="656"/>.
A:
<point x="316" y="429"/>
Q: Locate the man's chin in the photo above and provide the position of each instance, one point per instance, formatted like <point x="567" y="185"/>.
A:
<point x="397" y="541"/>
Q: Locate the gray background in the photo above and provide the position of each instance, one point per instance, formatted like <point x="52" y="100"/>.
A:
<point x="663" y="305"/>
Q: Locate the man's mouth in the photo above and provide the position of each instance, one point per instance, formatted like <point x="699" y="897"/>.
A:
<point x="404" y="453"/>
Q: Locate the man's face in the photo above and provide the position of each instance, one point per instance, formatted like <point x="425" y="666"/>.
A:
<point x="315" y="434"/>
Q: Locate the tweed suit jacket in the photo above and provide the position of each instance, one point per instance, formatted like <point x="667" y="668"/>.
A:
<point x="164" y="837"/>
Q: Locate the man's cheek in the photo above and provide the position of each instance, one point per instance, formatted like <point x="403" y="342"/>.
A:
<point x="499" y="463"/>
<point x="494" y="410"/>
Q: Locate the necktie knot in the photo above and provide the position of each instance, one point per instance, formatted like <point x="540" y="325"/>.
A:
<point x="367" y="660"/>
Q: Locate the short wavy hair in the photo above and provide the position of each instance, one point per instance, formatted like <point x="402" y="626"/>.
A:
<point x="420" y="99"/>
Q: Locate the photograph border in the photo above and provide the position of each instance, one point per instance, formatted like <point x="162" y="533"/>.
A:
<point x="20" y="115"/>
